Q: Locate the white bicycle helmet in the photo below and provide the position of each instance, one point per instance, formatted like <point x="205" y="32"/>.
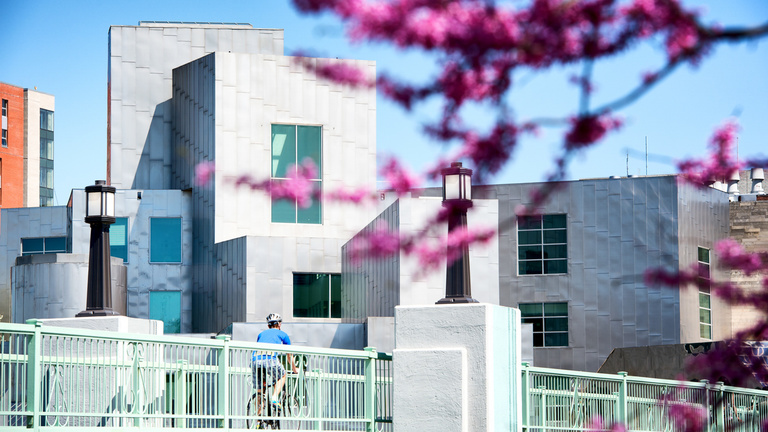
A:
<point x="273" y="318"/>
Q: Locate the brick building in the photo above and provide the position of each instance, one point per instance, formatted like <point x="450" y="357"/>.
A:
<point x="26" y="152"/>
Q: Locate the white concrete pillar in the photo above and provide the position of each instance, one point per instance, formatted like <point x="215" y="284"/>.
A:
<point x="457" y="368"/>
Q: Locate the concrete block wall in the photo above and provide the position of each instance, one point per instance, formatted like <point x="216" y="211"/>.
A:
<point x="33" y="102"/>
<point x="749" y="227"/>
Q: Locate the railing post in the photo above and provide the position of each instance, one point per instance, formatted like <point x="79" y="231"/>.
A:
<point x="543" y="408"/>
<point x="621" y="409"/>
<point x="707" y="404"/>
<point x="317" y="399"/>
<point x="180" y="397"/>
<point x="222" y="388"/>
<point x="34" y="371"/>
<point x="370" y="389"/>
<point x="138" y="393"/>
<point x="720" y="407"/>
<point x="524" y="394"/>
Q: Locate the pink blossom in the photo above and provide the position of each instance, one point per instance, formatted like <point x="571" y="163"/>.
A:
<point x="432" y="256"/>
<point x="376" y="244"/>
<point x="731" y="254"/>
<point x="298" y="186"/>
<point x="720" y="164"/>
<point x="398" y="178"/>
<point x="586" y="130"/>
<point x="204" y="171"/>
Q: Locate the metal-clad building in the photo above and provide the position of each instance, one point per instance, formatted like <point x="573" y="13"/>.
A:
<point x="577" y="274"/>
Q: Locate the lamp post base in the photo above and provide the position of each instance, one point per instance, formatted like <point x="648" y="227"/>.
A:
<point x="96" y="313"/>
<point x="454" y="300"/>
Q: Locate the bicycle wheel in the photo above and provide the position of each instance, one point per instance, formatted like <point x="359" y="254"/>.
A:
<point x="251" y="411"/>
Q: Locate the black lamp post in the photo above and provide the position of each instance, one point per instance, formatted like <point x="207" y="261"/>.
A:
<point x="100" y="214"/>
<point x="457" y="197"/>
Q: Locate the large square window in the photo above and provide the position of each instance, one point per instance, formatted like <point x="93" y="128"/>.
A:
<point x="165" y="306"/>
<point x="165" y="240"/>
<point x="550" y="323"/>
<point x="542" y="244"/>
<point x="316" y="295"/>
<point x="118" y="239"/>
<point x="292" y="145"/>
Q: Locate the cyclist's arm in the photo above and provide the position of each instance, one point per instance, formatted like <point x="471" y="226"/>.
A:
<point x="290" y="362"/>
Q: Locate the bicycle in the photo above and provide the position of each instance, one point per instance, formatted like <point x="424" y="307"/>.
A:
<point x="262" y="414"/>
<point x="259" y="402"/>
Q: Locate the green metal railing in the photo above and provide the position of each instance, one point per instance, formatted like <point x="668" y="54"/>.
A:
<point x="559" y="400"/>
<point x="53" y="377"/>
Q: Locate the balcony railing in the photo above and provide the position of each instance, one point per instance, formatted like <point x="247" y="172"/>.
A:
<point x="53" y="377"/>
<point x="559" y="400"/>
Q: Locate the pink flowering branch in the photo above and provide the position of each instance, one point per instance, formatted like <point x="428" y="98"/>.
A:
<point x="335" y="70"/>
<point x="721" y="163"/>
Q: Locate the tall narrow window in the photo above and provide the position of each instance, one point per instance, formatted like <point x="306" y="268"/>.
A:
<point x="293" y="145"/>
<point x="316" y="295"/>
<point x="5" y="123"/>
<point x="542" y="244"/>
<point x="118" y="239"/>
<point x="46" y="158"/>
<point x="705" y="299"/>
<point x="550" y="322"/>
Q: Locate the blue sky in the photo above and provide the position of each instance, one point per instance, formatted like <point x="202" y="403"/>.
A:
<point x="60" y="47"/>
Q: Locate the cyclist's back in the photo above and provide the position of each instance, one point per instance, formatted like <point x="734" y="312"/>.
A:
<point x="266" y="364"/>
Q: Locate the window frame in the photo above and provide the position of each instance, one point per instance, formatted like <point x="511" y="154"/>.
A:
<point x="542" y="244"/>
<point x="704" y="292"/>
<point x="328" y="299"/>
<point x="275" y="178"/>
<point x="544" y="317"/>
<point x="181" y="240"/>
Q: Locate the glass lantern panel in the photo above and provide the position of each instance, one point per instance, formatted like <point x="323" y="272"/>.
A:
<point x="110" y="202"/>
<point x="93" y="206"/>
<point x="452" y="186"/>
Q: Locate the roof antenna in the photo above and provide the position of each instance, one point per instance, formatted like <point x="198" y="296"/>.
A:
<point x="646" y="155"/>
<point x="627" y="162"/>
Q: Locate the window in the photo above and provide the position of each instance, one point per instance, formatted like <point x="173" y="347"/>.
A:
<point x="43" y="245"/>
<point x="316" y="295"/>
<point x="165" y="306"/>
<point x="5" y="123"/>
<point x="542" y="245"/>
<point x="118" y="239"/>
<point x="165" y="240"/>
<point x="550" y="323"/>
<point x="705" y="305"/>
<point x="291" y="146"/>
<point x="46" y="158"/>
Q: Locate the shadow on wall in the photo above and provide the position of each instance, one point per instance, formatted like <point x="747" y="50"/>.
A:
<point x="152" y="171"/>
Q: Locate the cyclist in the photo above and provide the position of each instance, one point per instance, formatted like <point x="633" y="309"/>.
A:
<point x="269" y="364"/>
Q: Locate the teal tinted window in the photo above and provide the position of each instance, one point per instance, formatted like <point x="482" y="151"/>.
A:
<point x="293" y="145"/>
<point x="283" y="149"/>
<point x="32" y="246"/>
<point x="542" y="245"/>
<point x="549" y="321"/>
<point x="316" y="295"/>
<point x="165" y="306"/>
<point x="43" y="245"/>
<point x="165" y="240"/>
<point x="118" y="239"/>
